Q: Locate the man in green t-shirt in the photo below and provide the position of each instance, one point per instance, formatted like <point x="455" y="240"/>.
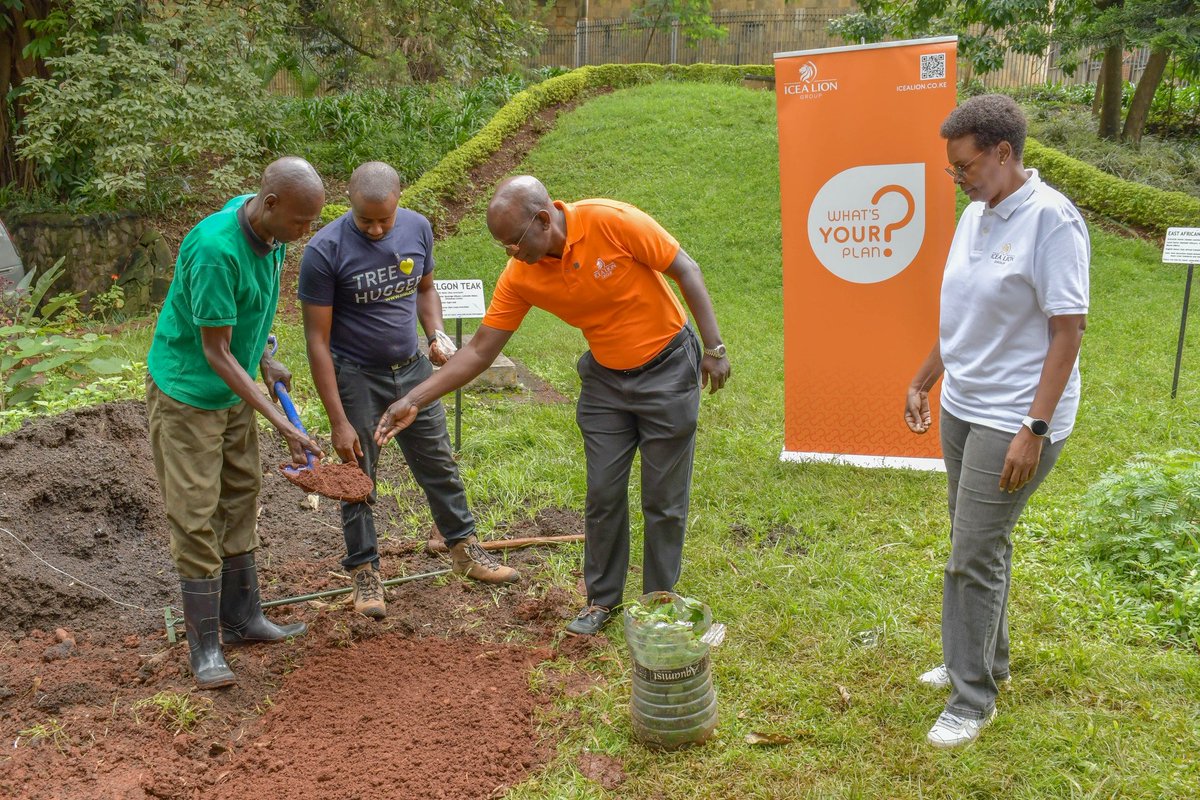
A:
<point x="200" y="398"/>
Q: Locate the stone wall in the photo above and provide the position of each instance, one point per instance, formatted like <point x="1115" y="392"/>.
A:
<point x="97" y="250"/>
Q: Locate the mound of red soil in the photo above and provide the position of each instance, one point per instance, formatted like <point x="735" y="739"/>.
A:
<point x="393" y="717"/>
<point x="427" y="703"/>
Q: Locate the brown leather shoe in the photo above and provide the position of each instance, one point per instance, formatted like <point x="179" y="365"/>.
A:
<point x="469" y="559"/>
<point x="368" y="591"/>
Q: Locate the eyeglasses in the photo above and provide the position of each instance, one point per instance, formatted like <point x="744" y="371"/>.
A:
<point x="960" y="173"/>
<point x="517" y="246"/>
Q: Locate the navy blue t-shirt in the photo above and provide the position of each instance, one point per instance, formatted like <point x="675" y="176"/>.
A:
<point x="372" y="286"/>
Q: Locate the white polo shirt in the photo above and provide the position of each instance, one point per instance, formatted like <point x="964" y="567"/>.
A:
<point x="1010" y="269"/>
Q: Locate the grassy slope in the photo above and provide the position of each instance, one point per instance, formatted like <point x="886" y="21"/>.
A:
<point x="1096" y="709"/>
<point x="827" y="560"/>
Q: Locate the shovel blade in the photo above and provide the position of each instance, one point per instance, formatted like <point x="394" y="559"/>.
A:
<point x="336" y="481"/>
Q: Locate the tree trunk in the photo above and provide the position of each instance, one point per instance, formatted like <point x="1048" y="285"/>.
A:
<point x="1143" y="95"/>
<point x="1098" y="97"/>
<point x="1110" y="108"/>
<point x="16" y="67"/>
<point x="650" y="39"/>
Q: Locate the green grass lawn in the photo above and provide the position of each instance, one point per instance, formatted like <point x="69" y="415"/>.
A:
<point x="831" y="576"/>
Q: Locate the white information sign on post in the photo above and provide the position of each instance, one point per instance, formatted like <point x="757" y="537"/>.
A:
<point x="461" y="299"/>
<point x="1182" y="246"/>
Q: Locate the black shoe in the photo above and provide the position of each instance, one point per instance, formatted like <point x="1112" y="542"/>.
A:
<point x="589" y="621"/>
<point x="242" y="618"/>
<point x="201" y="597"/>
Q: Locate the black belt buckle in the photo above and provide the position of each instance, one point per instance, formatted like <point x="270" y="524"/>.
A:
<point x="406" y="362"/>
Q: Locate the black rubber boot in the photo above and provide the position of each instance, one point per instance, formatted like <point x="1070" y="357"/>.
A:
<point x="201" y="600"/>
<point x="242" y="618"/>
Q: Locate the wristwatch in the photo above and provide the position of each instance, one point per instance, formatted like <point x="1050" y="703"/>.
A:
<point x="715" y="352"/>
<point x="1039" y="426"/>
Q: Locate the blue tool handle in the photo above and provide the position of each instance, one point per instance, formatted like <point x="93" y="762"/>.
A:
<point x="290" y="409"/>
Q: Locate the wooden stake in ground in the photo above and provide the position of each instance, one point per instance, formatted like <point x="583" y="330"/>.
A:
<point x="439" y="545"/>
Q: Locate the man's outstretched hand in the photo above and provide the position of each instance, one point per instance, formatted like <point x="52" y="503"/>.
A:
<point x="398" y="416"/>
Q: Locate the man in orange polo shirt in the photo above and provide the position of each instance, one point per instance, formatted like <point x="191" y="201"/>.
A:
<point x="599" y="265"/>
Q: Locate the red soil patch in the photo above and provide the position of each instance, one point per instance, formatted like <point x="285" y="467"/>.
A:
<point x="399" y="708"/>
<point x="395" y="717"/>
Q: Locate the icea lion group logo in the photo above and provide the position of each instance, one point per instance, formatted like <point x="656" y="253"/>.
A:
<point x="810" y="85"/>
<point x="1004" y="254"/>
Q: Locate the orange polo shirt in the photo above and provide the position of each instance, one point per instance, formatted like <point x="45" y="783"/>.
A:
<point x="608" y="283"/>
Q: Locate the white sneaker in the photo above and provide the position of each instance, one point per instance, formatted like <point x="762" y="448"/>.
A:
<point x="951" y="730"/>
<point x="939" y="678"/>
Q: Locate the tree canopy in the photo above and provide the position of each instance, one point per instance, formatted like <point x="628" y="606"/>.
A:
<point x="989" y="30"/>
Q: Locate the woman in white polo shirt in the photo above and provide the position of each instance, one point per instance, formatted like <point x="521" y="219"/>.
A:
<point x="1013" y="309"/>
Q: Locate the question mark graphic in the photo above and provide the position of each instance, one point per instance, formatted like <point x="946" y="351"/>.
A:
<point x="908" y="215"/>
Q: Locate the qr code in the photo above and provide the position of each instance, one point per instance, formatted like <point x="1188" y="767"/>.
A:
<point x="933" y="66"/>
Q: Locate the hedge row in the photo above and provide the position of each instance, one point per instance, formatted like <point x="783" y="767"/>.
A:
<point x="451" y="176"/>
<point x="1130" y="203"/>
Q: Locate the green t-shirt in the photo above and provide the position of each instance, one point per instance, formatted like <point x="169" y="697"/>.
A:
<point x="220" y="280"/>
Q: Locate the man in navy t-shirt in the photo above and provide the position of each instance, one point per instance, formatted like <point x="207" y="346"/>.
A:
<point x="365" y="280"/>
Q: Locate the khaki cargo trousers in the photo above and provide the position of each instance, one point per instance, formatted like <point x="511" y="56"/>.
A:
<point x="209" y="475"/>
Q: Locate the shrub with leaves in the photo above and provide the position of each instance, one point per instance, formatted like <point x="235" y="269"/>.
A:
<point x="409" y="127"/>
<point x="41" y="342"/>
<point x="1143" y="519"/>
<point x="147" y="102"/>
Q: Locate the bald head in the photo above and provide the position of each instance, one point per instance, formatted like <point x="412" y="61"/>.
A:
<point x="374" y="182"/>
<point x="518" y="196"/>
<point x="289" y="200"/>
<point x="522" y="218"/>
<point x="291" y="175"/>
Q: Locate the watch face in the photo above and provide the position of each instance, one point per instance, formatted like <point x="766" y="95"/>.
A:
<point x="717" y="352"/>
<point x="1040" y="427"/>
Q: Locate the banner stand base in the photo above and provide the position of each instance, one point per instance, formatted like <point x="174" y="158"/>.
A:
<point x="870" y="462"/>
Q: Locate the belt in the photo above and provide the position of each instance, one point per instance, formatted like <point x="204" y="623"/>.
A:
<point x="662" y="356"/>
<point x="406" y="362"/>
<point x="399" y="365"/>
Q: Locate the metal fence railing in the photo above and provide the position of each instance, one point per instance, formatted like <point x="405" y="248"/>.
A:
<point x="755" y="37"/>
<point x="1022" y="70"/>
<point x="751" y="38"/>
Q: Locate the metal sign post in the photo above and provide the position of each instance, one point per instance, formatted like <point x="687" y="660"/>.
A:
<point x="1182" y="246"/>
<point x="460" y="299"/>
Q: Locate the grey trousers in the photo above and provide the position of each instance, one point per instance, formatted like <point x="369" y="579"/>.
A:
<point x="366" y="393"/>
<point x="620" y="413"/>
<point x="979" y="571"/>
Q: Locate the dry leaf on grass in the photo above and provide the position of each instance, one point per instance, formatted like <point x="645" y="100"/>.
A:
<point x="767" y="739"/>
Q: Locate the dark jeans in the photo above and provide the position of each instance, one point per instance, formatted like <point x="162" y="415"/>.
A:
<point x="620" y="414"/>
<point x="366" y="393"/>
<point x="979" y="571"/>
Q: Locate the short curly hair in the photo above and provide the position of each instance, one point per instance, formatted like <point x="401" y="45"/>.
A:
<point x="991" y="119"/>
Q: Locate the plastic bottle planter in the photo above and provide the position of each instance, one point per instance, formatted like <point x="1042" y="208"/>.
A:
<point x="673" y="704"/>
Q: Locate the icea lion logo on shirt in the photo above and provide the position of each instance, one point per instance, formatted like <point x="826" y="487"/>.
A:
<point x="1004" y="254"/>
<point x="603" y="269"/>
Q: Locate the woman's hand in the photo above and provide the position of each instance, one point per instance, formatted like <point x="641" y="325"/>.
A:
<point x="1021" y="461"/>
<point x="916" y="411"/>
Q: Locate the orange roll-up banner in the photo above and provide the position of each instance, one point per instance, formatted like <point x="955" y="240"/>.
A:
<point x="868" y="214"/>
